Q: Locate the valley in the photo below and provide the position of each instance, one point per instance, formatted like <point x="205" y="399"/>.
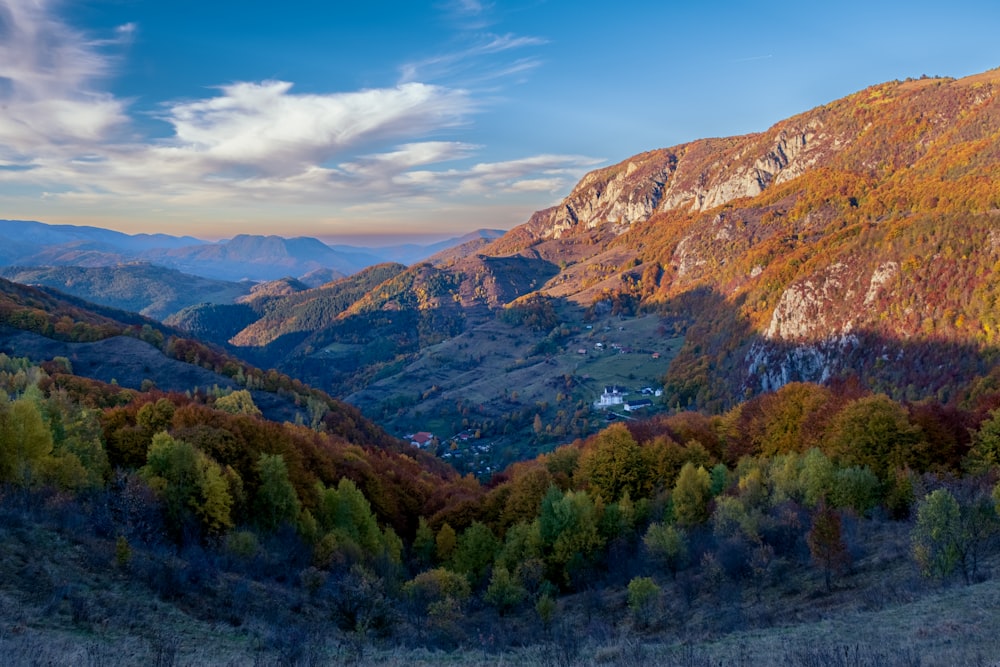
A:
<point x="511" y="395"/>
<point x="734" y="401"/>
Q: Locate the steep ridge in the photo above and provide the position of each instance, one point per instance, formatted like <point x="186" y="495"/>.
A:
<point x="855" y="240"/>
<point x="872" y="217"/>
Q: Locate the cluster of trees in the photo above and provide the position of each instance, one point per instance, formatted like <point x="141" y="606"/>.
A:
<point x="733" y="496"/>
<point x="695" y="503"/>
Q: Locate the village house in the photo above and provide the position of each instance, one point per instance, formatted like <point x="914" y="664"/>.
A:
<point x="632" y="406"/>
<point x="421" y="439"/>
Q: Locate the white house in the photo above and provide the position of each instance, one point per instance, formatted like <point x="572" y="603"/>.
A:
<point x="613" y="395"/>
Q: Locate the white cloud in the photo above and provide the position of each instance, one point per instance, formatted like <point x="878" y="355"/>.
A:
<point x="473" y="58"/>
<point x="245" y="146"/>
<point x="533" y="174"/>
<point x="47" y="77"/>
<point x="263" y="128"/>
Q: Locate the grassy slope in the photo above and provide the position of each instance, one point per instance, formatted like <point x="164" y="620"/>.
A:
<point x="65" y="600"/>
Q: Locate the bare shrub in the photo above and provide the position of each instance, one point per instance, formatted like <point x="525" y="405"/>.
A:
<point x="858" y="655"/>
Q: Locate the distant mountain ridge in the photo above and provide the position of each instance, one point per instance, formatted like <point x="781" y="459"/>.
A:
<point x="243" y="257"/>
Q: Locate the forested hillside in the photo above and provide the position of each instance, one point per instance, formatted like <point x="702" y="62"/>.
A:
<point x="153" y="291"/>
<point x="670" y="529"/>
<point x="855" y="240"/>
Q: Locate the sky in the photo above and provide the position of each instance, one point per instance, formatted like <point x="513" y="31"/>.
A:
<point x="380" y="121"/>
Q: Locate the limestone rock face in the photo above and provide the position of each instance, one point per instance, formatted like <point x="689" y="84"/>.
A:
<point x="611" y="199"/>
<point x="803" y="309"/>
<point x="696" y="176"/>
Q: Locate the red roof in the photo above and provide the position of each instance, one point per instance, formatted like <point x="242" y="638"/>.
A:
<point x="422" y="438"/>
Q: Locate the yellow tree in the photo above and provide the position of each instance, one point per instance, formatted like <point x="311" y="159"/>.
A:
<point x="25" y="441"/>
<point x="615" y="465"/>
<point x="691" y="495"/>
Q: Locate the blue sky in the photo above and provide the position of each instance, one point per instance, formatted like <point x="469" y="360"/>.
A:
<point x="367" y="118"/>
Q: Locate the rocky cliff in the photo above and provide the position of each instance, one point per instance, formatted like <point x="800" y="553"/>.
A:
<point x="871" y="218"/>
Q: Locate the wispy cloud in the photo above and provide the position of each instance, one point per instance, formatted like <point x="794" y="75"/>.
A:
<point x="489" y="179"/>
<point x="246" y="144"/>
<point x="48" y="75"/>
<point x="468" y="58"/>
<point x="265" y="128"/>
<point x="749" y="59"/>
<point x="469" y="14"/>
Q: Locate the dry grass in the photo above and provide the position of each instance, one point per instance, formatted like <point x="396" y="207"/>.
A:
<point x="63" y="601"/>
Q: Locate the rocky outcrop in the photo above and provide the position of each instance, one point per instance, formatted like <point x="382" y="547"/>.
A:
<point x="806" y="308"/>
<point x="610" y="199"/>
<point x="614" y="198"/>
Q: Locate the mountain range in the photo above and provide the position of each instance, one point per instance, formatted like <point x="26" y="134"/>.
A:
<point x="857" y="241"/>
<point x="244" y="257"/>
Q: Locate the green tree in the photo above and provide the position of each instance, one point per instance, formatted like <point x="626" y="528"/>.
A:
<point x="505" y="592"/>
<point x="522" y="542"/>
<point x="936" y="535"/>
<point x="190" y="483"/>
<point x="955" y="530"/>
<point x="816" y="477"/>
<point x="213" y="503"/>
<point x="856" y="488"/>
<point x="875" y="431"/>
<point x="346" y="512"/>
<point x="25" y="441"/>
<point x="155" y="417"/>
<point x="615" y="465"/>
<point x="667" y="545"/>
<point x="569" y="529"/>
<point x="445" y="542"/>
<point x="276" y="501"/>
<point x="440" y="594"/>
<point x="172" y="471"/>
<point x="720" y="479"/>
<point x="423" y="543"/>
<point x="985" y="452"/>
<point x="546" y="607"/>
<point x="643" y="600"/>
<point x="474" y="552"/>
<point x="691" y="495"/>
<point x="76" y="434"/>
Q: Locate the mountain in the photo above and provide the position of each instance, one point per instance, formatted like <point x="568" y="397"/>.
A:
<point x="149" y="290"/>
<point x="244" y="257"/>
<point x="855" y="240"/>
<point x="131" y="351"/>
<point x="26" y="234"/>
<point x="412" y="253"/>
<point x="249" y="257"/>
